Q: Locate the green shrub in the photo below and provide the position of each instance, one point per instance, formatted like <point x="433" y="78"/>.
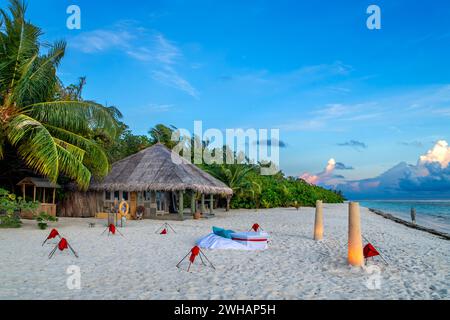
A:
<point x="42" y="219"/>
<point x="10" y="206"/>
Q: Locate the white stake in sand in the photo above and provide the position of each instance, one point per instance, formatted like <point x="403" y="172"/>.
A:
<point x="318" y="225"/>
<point x="355" y="246"/>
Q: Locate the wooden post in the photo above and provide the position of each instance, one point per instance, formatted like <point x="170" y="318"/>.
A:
<point x="413" y="215"/>
<point x="181" y="205"/>
<point x="23" y="191"/>
<point x="203" y="204"/>
<point x="43" y="197"/>
<point x="318" y="224"/>
<point x="211" y="204"/>
<point x="193" y="202"/>
<point x="34" y="194"/>
<point x="54" y="195"/>
<point x="355" y="247"/>
<point x="133" y="203"/>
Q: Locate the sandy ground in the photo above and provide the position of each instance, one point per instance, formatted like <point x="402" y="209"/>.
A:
<point x="141" y="265"/>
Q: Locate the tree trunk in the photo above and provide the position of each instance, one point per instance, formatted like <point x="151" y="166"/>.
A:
<point x="228" y="203"/>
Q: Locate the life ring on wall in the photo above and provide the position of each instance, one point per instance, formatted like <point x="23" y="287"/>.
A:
<point x="124" y="208"/>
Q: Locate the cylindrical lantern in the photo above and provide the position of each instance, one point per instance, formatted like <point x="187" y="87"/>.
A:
<point x="318" y="225"/>
<point x="355" y="246"/>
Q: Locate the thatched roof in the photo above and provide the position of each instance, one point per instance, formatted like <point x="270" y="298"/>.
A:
<point x="38" y="183"/>
<point x="154" y="169"/>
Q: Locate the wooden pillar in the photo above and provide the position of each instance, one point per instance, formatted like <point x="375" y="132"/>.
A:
<point x="23" y="191"/>
<point x="355" y="247"/>
<point x="318" y="224"/>
<point x="43" y="197"/>
<point x="203" y="203"/>
<point x="54" y="195"/>
<point x="34" y="194"/>
<point x="181" y="205"/>
<point x="413" y="215"/>
<point x="133" y="203"/>
<point x="193" y="202"/>
<point x="211" y="204"/>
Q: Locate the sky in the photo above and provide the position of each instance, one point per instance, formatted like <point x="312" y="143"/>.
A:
<point x="365" y="99"/>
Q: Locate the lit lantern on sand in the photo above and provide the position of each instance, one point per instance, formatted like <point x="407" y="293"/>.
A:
<point x="318" y="225"/>
<point x="355" y="247"/>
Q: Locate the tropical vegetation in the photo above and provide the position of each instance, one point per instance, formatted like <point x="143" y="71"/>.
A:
<point x="251" y="189"/>
<point x="45" y="126"/>
<point x="49" y="129"/>
<point x="10" y="206"/>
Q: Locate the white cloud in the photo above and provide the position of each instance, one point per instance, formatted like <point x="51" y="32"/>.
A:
<point x="171" y="78"/>
<point x="430" y="178"/>
<point x="150" y="47"/>
<point x="327" y="176"/>
<point x="440" y="153"/>
<point x="329" y="116"/>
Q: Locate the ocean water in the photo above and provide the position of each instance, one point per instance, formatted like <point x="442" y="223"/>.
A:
<point x="429" y="213"/>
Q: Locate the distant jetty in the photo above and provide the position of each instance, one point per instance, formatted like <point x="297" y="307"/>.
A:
<point x="443" y="235"/>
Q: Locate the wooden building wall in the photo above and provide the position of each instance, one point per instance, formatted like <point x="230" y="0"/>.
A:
<point x="81" y="204"/>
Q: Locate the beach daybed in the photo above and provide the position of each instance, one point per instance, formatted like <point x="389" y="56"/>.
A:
<point x="230" y="240"/>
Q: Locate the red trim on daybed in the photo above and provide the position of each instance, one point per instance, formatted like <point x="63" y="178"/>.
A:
<point x="249" y="240"/>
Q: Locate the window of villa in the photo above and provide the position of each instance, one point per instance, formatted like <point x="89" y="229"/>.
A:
<point x="117" y="195"/>
<point x="108" y="196"/>
<point x="147" y="195"/>
<point x="125" y="195"/>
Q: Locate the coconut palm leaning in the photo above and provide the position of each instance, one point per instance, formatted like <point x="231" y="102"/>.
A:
<point x="51" y="136"/>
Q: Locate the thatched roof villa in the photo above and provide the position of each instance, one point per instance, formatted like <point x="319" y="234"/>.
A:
<point x="150" y="181"/>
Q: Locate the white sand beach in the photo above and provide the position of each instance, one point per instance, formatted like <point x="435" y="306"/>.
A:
<point x="141" y="265"/>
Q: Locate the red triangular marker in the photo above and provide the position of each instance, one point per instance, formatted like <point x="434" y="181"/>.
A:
<point x="53" y="234"/>
<point x="370" y="251"/>
<point x="164" y="231"/>
<point x="255" y="227"/>
<point x="194" y="253"/>
<point x="63" y="245"/>
<point x="112" y="228"/>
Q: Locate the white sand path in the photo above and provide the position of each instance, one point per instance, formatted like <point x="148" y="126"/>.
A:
<point x="142" y="264"/>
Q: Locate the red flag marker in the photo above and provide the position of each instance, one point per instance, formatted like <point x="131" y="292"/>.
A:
<point x="370" y="251"/>
<point x="112" y="229"/>
<point x="194" y="252"/>
<point x="53" y="234"/>
<point x="164" y="229"/>
<point x="62" y="245"/>
<point x="256" y="227"/>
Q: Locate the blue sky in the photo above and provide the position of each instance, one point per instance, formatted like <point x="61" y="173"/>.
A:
<point x="367" y="98"/>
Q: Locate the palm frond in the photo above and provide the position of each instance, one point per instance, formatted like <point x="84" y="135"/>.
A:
<point x="21" y="44"/>
<point x="76" y="116"/>
<point x="72" y="168"/>
<point x="77" y="153"/>
<point x="34" y="144"/>
<point x="95" y="158"/>
<point x="38" y="76"/>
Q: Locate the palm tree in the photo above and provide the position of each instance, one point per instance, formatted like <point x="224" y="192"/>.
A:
<point x="163" y="134"/>
<point x="51" y="136"/>
<point x="233" y="175"/>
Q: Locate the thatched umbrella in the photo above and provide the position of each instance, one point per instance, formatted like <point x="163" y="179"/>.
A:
<point x="159" y="169"/>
